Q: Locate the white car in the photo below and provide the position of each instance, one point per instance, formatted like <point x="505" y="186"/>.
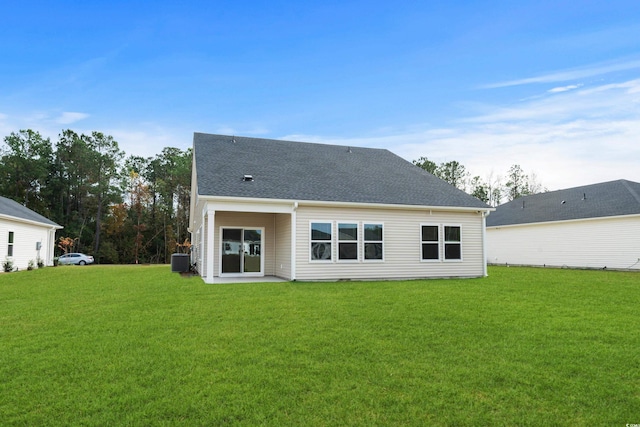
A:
<point x="75" y="258"/>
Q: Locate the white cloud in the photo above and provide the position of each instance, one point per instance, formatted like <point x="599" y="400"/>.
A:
<point x="148" y="139"/>
<point x="571" y="74"/>
<point x="68" y="117"/>
<point x="564" y="88"/>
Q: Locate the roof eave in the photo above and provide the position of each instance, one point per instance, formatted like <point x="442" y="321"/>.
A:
<point x="561" y="221"/>
<point x="360" y="205"/>
<point x="29" y="221"/>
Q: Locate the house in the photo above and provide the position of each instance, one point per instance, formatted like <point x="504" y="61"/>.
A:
<point x="305" y="211"/>
<point x="594" y="226"/>
<point x="25" y="236"/>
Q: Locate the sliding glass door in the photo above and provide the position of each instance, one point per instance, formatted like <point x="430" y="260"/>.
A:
<point x="241" y="251"/>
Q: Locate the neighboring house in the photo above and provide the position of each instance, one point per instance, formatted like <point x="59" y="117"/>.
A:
<point x="303" y="211"/>
<point x="594" y="226"/>
<point x="25" y="235"/>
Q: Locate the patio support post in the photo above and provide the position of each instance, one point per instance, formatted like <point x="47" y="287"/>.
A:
<point x="294" y="224"/>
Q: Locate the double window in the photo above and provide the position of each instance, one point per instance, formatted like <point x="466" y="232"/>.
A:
<point x="430" y="242"/>
<point x="452" y="242"/>
<point x="355" y="241"/>
<point x="441" y="242"/>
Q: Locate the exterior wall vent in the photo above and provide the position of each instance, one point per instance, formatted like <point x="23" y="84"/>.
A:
<point x="247" y="178"/>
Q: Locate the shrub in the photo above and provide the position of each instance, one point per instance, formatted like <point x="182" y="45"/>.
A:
<point x="7" y="265"/>
<point x="40" y="262"/>
<point x="32" y="265"/>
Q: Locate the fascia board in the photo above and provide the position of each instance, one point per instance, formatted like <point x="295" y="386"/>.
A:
<point x="30" y="222"/>
<point x="564" y="221"/>
<point x="242" y="201"/>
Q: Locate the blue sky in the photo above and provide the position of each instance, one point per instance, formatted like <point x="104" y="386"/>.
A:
<point x="553" y="86"/>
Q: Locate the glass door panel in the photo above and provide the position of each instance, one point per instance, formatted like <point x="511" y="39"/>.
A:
<point x="252" y="251"/>
<point x="231" y="250"/>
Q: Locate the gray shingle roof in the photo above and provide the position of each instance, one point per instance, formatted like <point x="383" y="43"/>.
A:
<point x="612" y="198"/>
<point x="12" y="208"/>
<point x="319" y="172"/>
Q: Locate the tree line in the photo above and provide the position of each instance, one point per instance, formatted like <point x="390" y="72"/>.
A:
<point x="491" y="190"/>
<point x="121" y="209"/>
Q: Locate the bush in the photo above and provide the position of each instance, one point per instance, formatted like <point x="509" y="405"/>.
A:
<point x="40" y="262"/>
<point x="7" y="265"/>
<point x="32" y="265"/>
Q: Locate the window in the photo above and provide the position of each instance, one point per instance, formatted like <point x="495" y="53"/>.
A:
<point x="10" y="245"/>
<point x="452" y="245"/>
<point x="321" y="237"/>
<point x="373" y="246"/>
<point x="430" y="242"/>
<point x="348" y="241"/>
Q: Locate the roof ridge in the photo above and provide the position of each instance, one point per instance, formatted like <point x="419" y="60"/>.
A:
<point x="631" y="190"/>
<point x="291" y="141"/>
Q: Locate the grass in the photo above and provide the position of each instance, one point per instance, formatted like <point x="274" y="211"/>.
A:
<point x="138" y="345"/>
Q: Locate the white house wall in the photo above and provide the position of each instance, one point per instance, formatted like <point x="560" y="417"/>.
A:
<point x="402" y="245"/>
<point x="594" y="243"/>
<point x="282" y="266"/>
<point x="25" y="238"/>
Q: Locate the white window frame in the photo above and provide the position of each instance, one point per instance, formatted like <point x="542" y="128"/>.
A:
<point x="356" y="241"/>
<point x="312" y="241"/>
<point x="445" y="242"/>
<point x="11" y="239"/>
<point x="365" y="241"/>
<point x="437" y="243"/>
<point x="242" y="273"/>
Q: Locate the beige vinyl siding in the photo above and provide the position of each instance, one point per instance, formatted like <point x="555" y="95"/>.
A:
<point x="402" y="245"/>
<point x="283" y="246"/>
<point x="248" y="219"/>
<point x="594" y="243"/>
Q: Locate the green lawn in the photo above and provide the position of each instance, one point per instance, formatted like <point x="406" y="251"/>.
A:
<point x="138" y="345"/>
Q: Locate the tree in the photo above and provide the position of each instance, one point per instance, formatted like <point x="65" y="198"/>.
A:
<point x="80" y="184"/>
<point x="534" y="185"/>
<point x="24" y="169"/>
<point x="426" y="164"/>
<point x="73" y="164"/>
<point x="454" y="173"/>
<point x="494" y="189"/>
<point x="479" y="189"/>
<point x="518" y="183"/>
<point x="105" y="157"/>
<point x="66" y="244"/>
<point x="139" y="196"/>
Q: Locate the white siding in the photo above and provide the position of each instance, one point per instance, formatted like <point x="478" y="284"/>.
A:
<point x="25" y="238"/>
<point x="402" y="245"/>
<point x="283" y="246"/>
<point x="595" y="243"/>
